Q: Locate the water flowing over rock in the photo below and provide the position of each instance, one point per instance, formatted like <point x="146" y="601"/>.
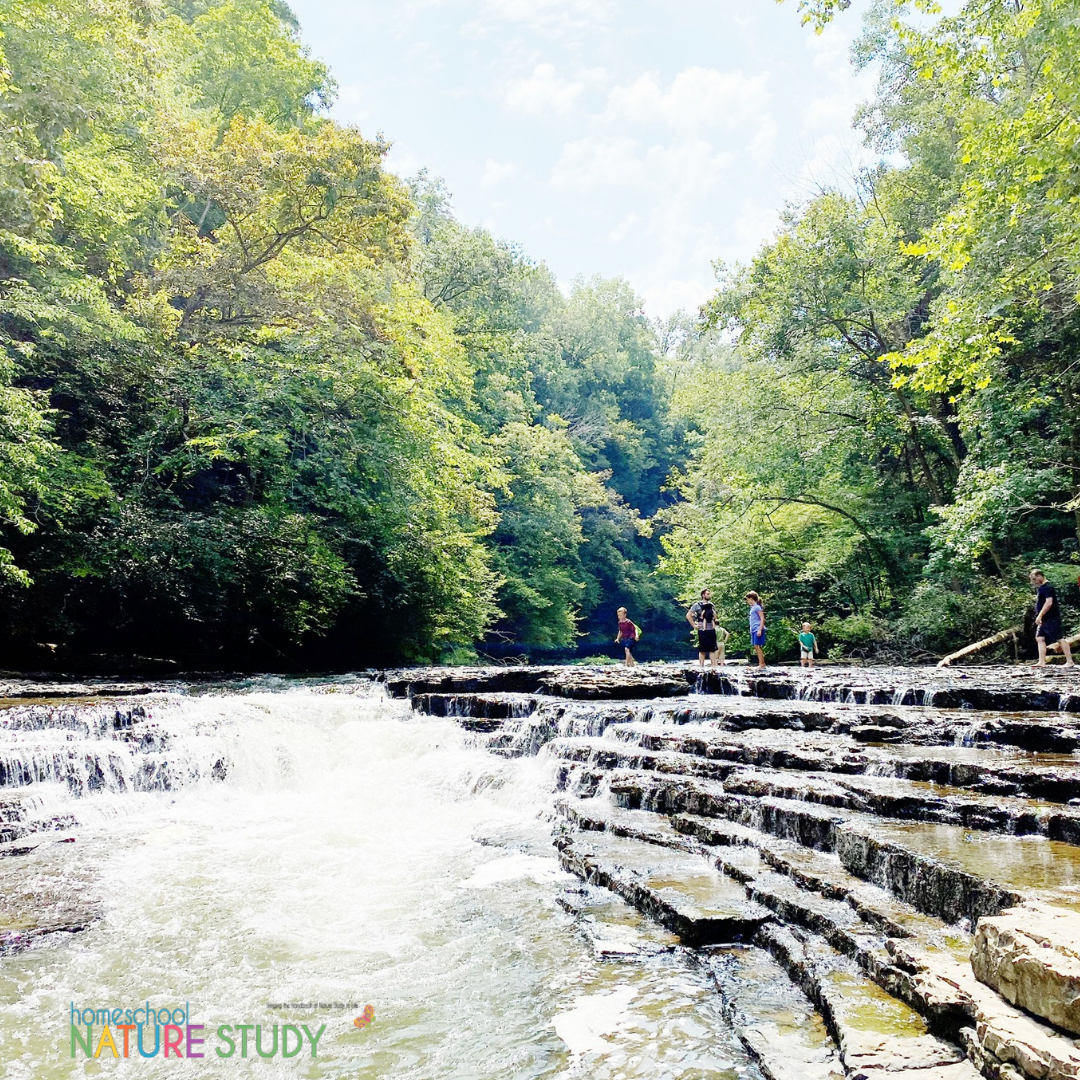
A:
<point x="871" y="871"/>
<point x="902" y="844"/>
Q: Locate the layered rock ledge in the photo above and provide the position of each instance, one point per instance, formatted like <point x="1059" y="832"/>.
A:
<point x="902" y="846"/>
<point x="1031" y="956"/>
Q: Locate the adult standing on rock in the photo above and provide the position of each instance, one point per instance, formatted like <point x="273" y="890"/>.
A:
<point x="696" y="612"/>
<point x="757" y="627"/>
<point x="1048" y="620"/>
<point x="706" y="636"/>
<point x="693" y="616"/>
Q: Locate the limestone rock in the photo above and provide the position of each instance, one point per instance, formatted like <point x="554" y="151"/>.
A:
<point x="1031" y="956"/>
<point x="1002" y="1035"/>
<point x="874" y="733"/>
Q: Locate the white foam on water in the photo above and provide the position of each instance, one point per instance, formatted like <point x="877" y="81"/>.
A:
<point x="354" y="853"/>
<point x="515" y="867"/>
<point x="584" y="1027"/>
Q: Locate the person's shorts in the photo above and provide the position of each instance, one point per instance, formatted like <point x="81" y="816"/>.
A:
<point x="757" y="639"/>
<point x="706" y="641"/>
<point x="806" y="654"/>
<point x="629" y="644"/>
<point x="1050" y="632"/>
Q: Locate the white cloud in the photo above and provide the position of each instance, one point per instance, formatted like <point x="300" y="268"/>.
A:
<point x="757" y="223"/>
<point x="552" y="18"/>
<point x="608" y="162"/>
<point x="763" y="143"/>
<point x="622" y="138"/>
<point x="404" y="161"/>
<point x="662" y="193"/>
<point x="543" y="93"/>
<point x="624" y="228"/>
<point x="495" y="172"/>
<point x="597" y="162"/>
<point x="670" y="294"/>
<point x="831" y="161"/>
<point x="351" y="103"/>
<point x="829" y="112"/>
<point x="698" y="98"/>
<point x="830" y="51"/>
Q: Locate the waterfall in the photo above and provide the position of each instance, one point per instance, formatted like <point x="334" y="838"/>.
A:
<point x="347" y="852"/>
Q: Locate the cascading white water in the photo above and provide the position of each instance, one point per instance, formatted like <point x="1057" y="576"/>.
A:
<point x="353" y="854"/>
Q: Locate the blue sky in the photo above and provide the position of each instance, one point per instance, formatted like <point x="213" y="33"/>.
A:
<point x="618" y="137"/>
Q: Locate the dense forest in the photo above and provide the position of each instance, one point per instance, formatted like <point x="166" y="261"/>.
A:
<point x="263" y="403"/>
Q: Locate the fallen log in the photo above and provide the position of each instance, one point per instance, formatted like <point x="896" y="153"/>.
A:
<point x="997" y="639"/>
<point x="1013" y="632"/>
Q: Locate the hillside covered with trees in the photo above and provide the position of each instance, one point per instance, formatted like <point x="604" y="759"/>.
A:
<point x="890" y="425"/>
<point x="262" y="403"/>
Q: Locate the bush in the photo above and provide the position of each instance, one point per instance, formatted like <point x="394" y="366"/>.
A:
<point x="939" y="620"/>
<point x="862" y="634"/>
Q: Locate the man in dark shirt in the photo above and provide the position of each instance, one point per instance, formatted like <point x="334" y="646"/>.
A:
<point x="1048" y="620"/>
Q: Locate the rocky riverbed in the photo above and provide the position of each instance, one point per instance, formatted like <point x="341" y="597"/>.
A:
<point x="894" y="852"/>
<point x="876" y="870"/>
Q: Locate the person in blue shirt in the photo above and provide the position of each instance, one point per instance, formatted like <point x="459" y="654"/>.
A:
<point x="757" y="627"/>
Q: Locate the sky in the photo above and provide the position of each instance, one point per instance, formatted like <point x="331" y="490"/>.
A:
<point x="635" y="138"/>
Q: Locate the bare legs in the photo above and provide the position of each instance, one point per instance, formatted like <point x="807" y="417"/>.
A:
<point x="1061" y="646"/>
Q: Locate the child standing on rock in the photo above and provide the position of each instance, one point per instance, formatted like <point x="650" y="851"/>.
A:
<point x="807" y="646"/>
<point x="629" y="633"/>
<point x="757" y="627"/>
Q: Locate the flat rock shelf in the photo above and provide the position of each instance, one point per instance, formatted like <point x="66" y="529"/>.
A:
<point x="879" y="867"/>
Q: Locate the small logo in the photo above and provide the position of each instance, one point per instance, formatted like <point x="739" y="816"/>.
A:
<point x="363" y="1021"/>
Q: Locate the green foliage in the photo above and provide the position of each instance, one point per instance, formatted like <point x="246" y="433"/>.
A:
<point x="889" y="431"/>
<point x="819" y="13"/>
<point x="862" y="634"/>
<point x="210" y="287"/>
<point x="573" y="393"/>
<point x="258" y="400"/>
<point x="940" y="620"/>
<point x="242" y="58"/>
<point x="261" y="402"/>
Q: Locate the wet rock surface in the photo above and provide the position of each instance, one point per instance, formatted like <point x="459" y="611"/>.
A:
<point x="773" y="1018"/>
<point x="675" y="888"/>
<point x="1000" y="689"/>
<point x="845" y="852"/>
<point x="868" y="836"/>
<point x="1031" y="956"/>
<point x="41" y="894"/>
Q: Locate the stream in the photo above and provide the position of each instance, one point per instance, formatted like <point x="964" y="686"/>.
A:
<point x="317" y="853"/>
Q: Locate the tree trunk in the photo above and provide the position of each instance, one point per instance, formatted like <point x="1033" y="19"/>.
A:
<point x="936" y="495"/>
<point x="1013" y="632"/>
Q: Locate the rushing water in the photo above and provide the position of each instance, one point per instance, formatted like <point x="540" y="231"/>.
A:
<point x="352" y="854"/>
